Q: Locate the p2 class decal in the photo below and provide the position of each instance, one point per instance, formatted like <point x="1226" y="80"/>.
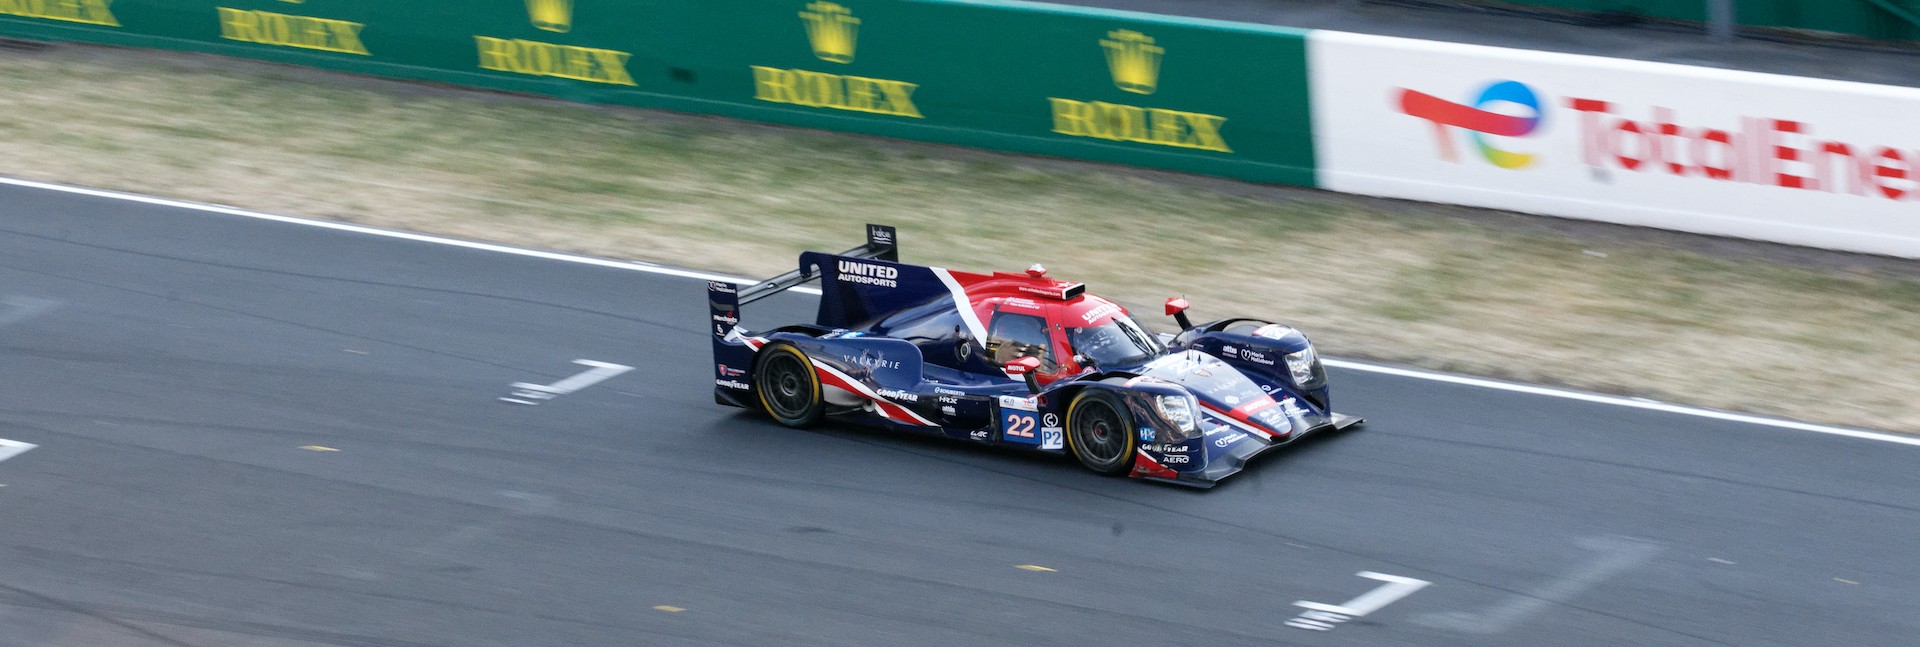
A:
<point x="1020" y="421"/>
<point x="834" y="378"/>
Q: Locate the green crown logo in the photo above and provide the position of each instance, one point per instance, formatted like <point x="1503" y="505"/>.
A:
<point x="1134" y="60"/>
<point x="551" y="15"/>
<point x="832" y="30"/>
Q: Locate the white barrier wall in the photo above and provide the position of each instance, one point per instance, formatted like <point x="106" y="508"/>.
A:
<point x="1787" y="159"/>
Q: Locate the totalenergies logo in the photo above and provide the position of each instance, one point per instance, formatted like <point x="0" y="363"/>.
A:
<point x="1478" y="121"/>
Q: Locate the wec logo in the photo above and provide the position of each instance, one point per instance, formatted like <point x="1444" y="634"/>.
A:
<point x="1478" y="121"/>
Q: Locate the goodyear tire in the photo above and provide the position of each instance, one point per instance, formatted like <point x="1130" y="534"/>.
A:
<point x="788" y="386"/>
<point x="1100" y="432"/>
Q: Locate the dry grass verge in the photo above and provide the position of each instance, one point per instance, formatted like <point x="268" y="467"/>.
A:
<point x="1393" y="281"/>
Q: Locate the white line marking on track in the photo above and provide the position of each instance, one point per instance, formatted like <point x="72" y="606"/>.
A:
<point x="15" y="309"/>
<point x="1321" y="616"/>
<point x="12" y="448"/>
<point x="710" y="276"/>
<point x="1617" y="554"/>
<point x="1635" y="403"/>
<point x="596" y="372"/>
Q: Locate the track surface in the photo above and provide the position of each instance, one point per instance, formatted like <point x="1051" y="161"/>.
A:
<point x="171" y="365"/>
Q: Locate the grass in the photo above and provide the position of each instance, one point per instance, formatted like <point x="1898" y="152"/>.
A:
<point x="1428" y="285"/>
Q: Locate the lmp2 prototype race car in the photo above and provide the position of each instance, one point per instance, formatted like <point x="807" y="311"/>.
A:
<point x="1020" y="360"/>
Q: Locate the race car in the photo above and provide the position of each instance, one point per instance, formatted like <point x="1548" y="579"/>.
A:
<point x="1020" y="360"/>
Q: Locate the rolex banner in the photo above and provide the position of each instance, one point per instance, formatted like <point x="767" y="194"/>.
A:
<point x="1201" y="96"/>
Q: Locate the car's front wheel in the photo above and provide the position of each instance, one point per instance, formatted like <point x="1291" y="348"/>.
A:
<point x="1100" y="432"/>
<point x="788" y="386"/>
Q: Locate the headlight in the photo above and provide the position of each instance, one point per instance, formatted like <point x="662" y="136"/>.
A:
<point x="1177" y="409"/>
<point x="1304" y="366"/>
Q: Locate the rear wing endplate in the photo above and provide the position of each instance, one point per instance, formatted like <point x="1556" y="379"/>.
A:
<point x="882" y="244"/>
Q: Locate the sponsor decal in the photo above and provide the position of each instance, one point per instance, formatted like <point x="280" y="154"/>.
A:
<point x="1050" y="420"/>
<point x="833" y="32"/>
<point x="1050" y="438"/>
<point x="1478" y="121"/>
<point x="535" y="58"/>
<point x="1103" y="310"/>
<point x="1017" y="302"/>
<point x="880" y="235"/>
<point x="721" y="286"/>
<point x="1777" y="152"/>
<point x="1230" y="351"/>
<point x="733" y="384"/>
<point x="948" y="410"/>
<point x="726" y="318"/>
<point x="1146" y="434"/>
<point x="949" y="399"/>
<point x="551" y="15"/>
<point x="1176" y="459"/>
<point x="1232" y="399"/>
<point x="1167" y="448"/>
<point x="1759" y="150"/>
<point x="1018" y="403"/>
<point x="1292" y="408"/>
<point x="1134" y="62"/>
<point x="1229" y="439"/>
<point x="978" y="434"/>
<point x="871" y="361"/>
<point x="898" y="394"/>
<point x="92" y="12"/>
<point x="946" y="391"/>
<point x="728" y="371"/>
<point x="1257" y="357"/>
<point x="282" y="30"/>
<point x="869" y="273"/>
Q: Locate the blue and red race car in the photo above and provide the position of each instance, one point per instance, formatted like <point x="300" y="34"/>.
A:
<point x="1020" y="360"/>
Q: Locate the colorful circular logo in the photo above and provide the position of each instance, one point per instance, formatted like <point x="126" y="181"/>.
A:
<point x="1480" y="122"/>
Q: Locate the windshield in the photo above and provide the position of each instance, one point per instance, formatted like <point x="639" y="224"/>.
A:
<point x="1116" y="343"/>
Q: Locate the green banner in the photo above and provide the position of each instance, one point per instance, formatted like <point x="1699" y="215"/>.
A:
<point x="1200" y="96"/>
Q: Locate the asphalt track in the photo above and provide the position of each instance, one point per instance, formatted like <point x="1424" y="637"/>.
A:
<point x="171" y="365"/>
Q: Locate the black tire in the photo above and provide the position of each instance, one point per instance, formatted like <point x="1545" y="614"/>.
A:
<point x="1100" y="432"/>
<point x="788" y="386"/>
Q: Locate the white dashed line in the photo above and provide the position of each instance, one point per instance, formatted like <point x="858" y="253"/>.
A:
<point x="1637" y="403"/>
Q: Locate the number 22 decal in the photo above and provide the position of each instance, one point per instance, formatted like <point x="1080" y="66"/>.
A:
<point x="1019" y="425"/>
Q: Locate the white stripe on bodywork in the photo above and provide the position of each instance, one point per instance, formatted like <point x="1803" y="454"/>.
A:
<point x="1237" y="424"/>
<point x="862" y="391"/>
<point x="965" y="305"/>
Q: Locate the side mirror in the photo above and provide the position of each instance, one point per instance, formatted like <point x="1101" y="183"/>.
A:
<point x="1024" y="368"/>
<point x="1177" y="308"/>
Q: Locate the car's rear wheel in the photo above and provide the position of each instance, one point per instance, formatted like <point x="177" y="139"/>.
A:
<point x="788" y="386"/>
<point x="1100" y="432"/>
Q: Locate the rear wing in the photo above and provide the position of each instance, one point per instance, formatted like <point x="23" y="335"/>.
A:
<point x="724" y="299"/>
